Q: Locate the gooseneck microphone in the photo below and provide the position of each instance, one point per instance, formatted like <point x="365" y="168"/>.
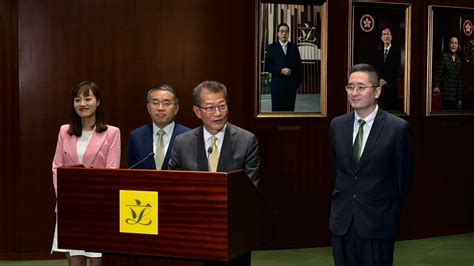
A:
<point x="142" y="160"/>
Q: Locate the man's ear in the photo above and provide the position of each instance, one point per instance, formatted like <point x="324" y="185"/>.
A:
<point x="378" y="91"/>
<point x="197" y="112"/>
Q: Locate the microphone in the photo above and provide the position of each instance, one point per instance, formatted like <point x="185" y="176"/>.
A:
<point x="142" y="160"/>
<point x="209" y="150"/>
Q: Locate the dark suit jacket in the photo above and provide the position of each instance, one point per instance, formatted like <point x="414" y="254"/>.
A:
<point x="239" y="151"/>
<point x="388" y="71"/>
<point x="276" y="60"/>
<point x="372" y="193"/>
<point x="140" y="144"/>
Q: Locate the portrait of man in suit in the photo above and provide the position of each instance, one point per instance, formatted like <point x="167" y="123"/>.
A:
<point x="371" y="154"/>
<point x="387" y="65"/>
<point x="149" y="146"/>
<point x="381" y="37"/>
<point x="283" y="61"/>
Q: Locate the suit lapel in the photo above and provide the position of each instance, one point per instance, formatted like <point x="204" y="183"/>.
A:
<point x="374" y="134"/>
<point x="225" y="155"/>
<point x="200" y="150"/>
<point x="170" y="145"/>
<point x="348" y="137"/>
<point x="92" y="150"/>
<point x="147" y="145"/>
<point x="72" y="148"/>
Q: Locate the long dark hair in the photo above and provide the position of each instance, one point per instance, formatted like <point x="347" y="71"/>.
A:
<point x="75" y="123"/>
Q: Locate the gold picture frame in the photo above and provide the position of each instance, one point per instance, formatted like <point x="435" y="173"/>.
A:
<point x="368" y="21"/>
<point x="307" y="23"/>
<point x="450" y="61"/>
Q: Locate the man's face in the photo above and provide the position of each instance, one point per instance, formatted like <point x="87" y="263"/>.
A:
<point x="363" y="95"/>
<point x="162" y="108"/>
<point x="283" y="33"/>
<point x="215" y="117"/>
<point x="453" y="45"/>
<point x="386" y="37"/>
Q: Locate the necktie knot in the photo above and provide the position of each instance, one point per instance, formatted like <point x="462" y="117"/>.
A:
<point x="160" y="133"/>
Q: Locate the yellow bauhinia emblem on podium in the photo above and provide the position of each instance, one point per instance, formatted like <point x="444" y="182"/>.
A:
<point x="139" y="212"/>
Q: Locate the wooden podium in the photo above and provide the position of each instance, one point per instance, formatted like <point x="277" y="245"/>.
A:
<point x="203" y="217"/>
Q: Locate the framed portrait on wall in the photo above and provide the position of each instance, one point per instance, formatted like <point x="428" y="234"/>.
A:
<point x="450" y="66"/>
<point x="291" y="58"/>
<point x="380" y="36"/>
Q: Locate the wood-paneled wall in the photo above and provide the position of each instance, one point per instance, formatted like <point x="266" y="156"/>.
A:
<point x="126" y="46"/>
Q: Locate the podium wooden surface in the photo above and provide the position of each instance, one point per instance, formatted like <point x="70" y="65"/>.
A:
<point x="202" y="216"/>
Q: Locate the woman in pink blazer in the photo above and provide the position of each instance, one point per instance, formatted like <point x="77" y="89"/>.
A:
<point x="89" y="141"/>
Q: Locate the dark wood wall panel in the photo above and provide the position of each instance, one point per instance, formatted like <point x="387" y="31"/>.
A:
<point x="9" y="152"/>
<point x="126" y="46"/>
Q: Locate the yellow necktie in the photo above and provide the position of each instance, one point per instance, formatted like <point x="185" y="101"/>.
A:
<point x="160" y="154"/>
<point x="214" y="155"/>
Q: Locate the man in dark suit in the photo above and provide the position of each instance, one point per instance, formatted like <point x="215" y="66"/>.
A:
<point x="216" y="145"/>
<point x="283" y="60"/>
<point x="387" y="65"/>
<point x="371" y="153"/>
<point x="145" y="142"/>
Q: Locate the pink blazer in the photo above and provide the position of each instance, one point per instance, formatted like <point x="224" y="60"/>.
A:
<point x="103" y="150"/>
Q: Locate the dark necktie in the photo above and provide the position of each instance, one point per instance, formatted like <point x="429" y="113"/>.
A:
<point x="358" y="142"/>
<point x="385" y="54"/>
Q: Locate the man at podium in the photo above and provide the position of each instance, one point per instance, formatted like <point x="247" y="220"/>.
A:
<point x="216" y="145"/>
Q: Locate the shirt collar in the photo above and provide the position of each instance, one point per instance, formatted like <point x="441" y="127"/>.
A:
<point x="369" y="120"/>
<point x="168" y="129"/>
<point x="219" y="135"/>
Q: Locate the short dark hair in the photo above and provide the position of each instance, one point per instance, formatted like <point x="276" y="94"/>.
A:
<point x="369" y="69"/>
<point x="75" y="123"/>
<point x="164" y="87"/>
<point x="210" y="85"/>
<point x="281" y="25"/>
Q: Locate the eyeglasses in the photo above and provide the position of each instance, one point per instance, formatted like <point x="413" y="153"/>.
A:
<point x="359" y="88"/>
<point x="165" y="103"/>
<point x="212" y="109"/>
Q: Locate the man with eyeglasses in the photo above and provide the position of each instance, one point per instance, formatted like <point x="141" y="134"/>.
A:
<point x="234" y="148"/>
<point x="149" y="146"/>
<point x="283" y="60"/>
<point x="237" y="148"/>
<point x="371" y="154"/>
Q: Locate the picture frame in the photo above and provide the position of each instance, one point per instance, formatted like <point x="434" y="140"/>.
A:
<point x="369" y="22"/>
<point x="307" y="23"/>
<point x="450" y="61"/>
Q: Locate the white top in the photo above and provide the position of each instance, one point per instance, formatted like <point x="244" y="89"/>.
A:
<point x="82" y="143"/>
<point x="219" y="139"/>
<point x="369" y="121"/>
<point x="166" y="137"/>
